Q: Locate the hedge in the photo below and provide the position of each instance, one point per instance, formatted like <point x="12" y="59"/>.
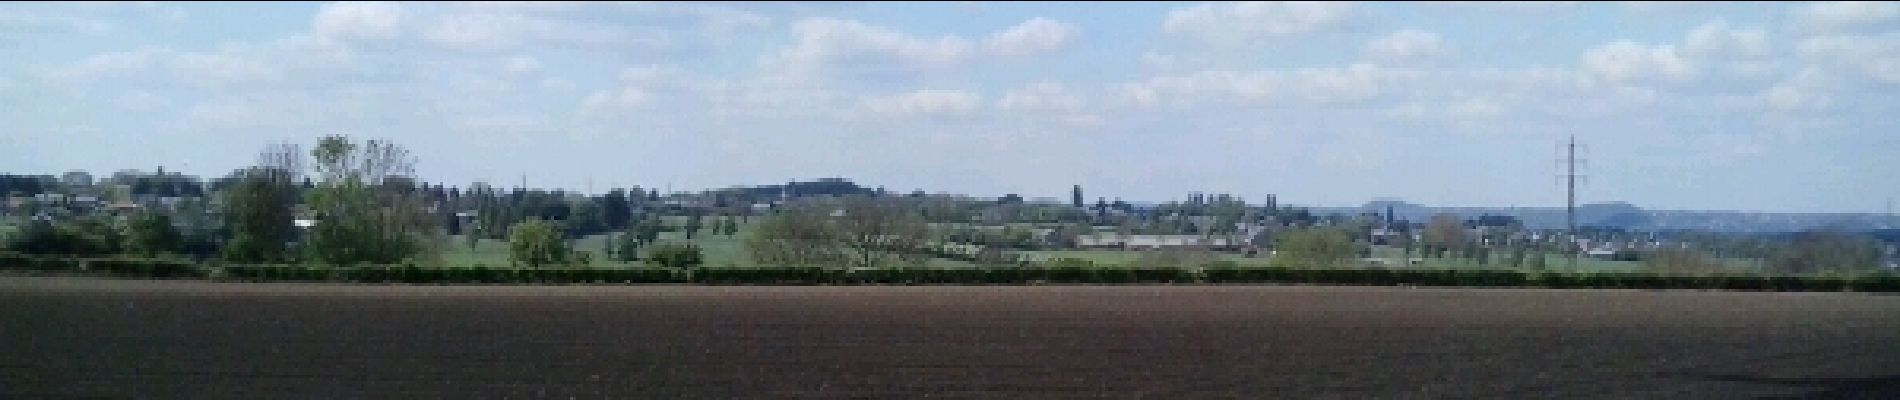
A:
<point x="1063" y="272"/>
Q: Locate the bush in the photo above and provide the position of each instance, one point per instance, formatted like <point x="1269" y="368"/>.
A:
<point x="676" y="256"/>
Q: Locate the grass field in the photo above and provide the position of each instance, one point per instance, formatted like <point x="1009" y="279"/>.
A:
<point x="720" y="250"/>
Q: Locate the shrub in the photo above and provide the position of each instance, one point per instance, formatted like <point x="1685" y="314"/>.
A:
<point x="676" y="256"/>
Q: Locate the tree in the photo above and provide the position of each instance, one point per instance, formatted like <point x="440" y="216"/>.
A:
<point x="615" y="210"/>
<point x="676" y="256"/>
<point x="586" y="219"/>
<point x="536" y="243"/>
<point x="370" y="209"/>
<point x="1444" y="232"/>
<point x="692" y="225"/>
<point x="799" y="234"/>
<point x="81" y="237"/>
<point x="650" y="230"/>
<point x="1826" y="252"/>
<point x="259" y="206"/>
<point x="152" y="233"/>
<point x="627" y="246"/>
<point x="1680" y="261"/>
<point x="1315" y="248"/>
<point x="878" y="232"/>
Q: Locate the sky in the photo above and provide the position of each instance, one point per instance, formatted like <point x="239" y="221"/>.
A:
<point x="1783" y="107"/>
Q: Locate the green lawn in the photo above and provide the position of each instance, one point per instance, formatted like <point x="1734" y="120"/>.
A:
<point x="720" y="250"/>
<point x="1124" y="257"/>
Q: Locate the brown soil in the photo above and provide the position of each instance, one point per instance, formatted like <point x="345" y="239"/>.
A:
<point x="75" y="337"/>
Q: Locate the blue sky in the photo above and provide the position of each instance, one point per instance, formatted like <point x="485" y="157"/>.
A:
<point x="1734" y="106"/>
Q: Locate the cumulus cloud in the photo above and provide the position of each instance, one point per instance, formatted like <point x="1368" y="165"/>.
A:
<point x="1844" y="15"/>
<point x="636" y="88"/>
<point x="924" y="102"/>
<point x="140" y="100"/>
<point x="1405" y="45"/>
<point x="522" y="65"/>
<point x="1806" y="91"/>
<point x="30" y="20"/>
<point x="1347" y="84"/>
<point x="1876" y="57"/>
<point x="1237" y="23"/>
<point x="495" y="31"/>
<point x="1717" y="39"/>
<point x="1625" y="62"/>
<point x="1036" y="35"/>
<point x="1042" y="96"/>
<point x="109" y="65"/>
<point x="215" y="71"/>
<point x="821" y="42"/>
<point x="358" y="21"/>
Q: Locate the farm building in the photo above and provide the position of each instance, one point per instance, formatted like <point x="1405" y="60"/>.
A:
<point x="1142" y="242"/>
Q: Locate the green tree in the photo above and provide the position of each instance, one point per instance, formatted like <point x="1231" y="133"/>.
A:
<point x="79" y="237"/>
<point x="693" y="225"/>
<point x="1315" y="248"/>
<point x="1826" y="252"/>
<point x="1443" y="233"/>
<point x="369" y="207"/>
<point x="536" y="243"/>
<point x="798" y="234"/>
<point x="676" y="256"/>
<point x="627" y="246"/>
<point x="615" y="209"/>
<point x="879" y="232"/>
<point x="152" y="233"/>
<point x="259" y="206"/>
<point x="1680" y="261"/>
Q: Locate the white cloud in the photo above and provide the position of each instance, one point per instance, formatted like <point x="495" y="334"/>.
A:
<point x="1353" y="83"/>
<point x="140" y="100"/>
<point x="1159" y="61"/>
<point x="522" y="65"/>
<point x="1650" y="6"/>
<point x="1042" y="96"/>
<point x="219" y="71"/>
<point x="556" y="84"/>
<point x="358" y="21"/>
<point x="1476" y="108"/>
<point x="1238" y="23"/>
<point x="1182" y="91"/>
<point x="924" y="102"/>
<point x="31" y="21"/>
<point x="1347" y="84"/>
<point x="109" y="65"/>
<point x="820" y="42"/>
<point x="1806" y="91"/>
<point x="1877" y="57"/>
<point x="638" y="87"/>
<point x="1034" y="36"/>
<point x="1844" y="15"/>
<point x="1405" y="44"/>
<point x="492" y="31"/>
<point x="1716" y="39"/>
<point x="1508" y="5"/>
<point x="1624" y="62"/>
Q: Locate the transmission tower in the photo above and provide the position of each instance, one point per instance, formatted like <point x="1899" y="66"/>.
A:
<point x="1569" y="162"/>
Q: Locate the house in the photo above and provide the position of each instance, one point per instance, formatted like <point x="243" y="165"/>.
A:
<point x="1152" y="242"/>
